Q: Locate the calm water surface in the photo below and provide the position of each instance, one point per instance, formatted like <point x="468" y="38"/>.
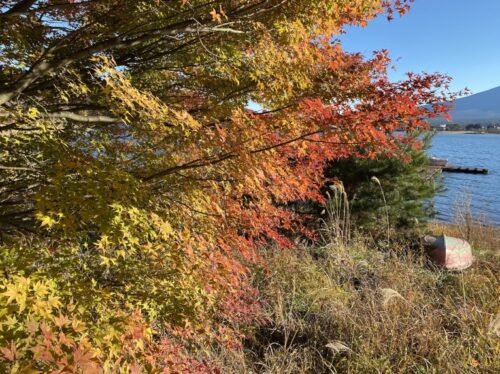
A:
<point x="483" y="191"/>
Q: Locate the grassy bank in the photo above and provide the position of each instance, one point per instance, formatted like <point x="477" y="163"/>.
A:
<point x="352" y="308"/>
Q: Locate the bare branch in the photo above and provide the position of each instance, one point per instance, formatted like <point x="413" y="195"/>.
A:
<point x="82" y="118"/>
<point x="45" y="67"/>
<point x="19" y="9"/>
<point x="16" y="168"/>
<point x="215" y="160"/>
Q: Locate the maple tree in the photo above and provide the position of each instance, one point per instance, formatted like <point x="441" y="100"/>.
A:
<point x="136" y="187"/>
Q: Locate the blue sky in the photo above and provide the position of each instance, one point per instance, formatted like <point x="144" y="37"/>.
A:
<point x="460" y="38"/>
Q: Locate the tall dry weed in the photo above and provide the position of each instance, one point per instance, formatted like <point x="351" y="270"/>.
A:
<point x="337" y="226"/>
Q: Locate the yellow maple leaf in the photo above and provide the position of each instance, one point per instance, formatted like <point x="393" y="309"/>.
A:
<point x="45" y="220"/>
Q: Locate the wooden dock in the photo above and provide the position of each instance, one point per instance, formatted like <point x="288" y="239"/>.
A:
<point x="460" y="169"/>
<point x="437" y="165"/>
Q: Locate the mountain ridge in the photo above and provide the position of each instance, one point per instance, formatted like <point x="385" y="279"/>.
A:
<point x="483" y="107"/>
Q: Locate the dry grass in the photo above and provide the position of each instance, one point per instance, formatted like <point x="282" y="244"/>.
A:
<point x="353" y="309"/>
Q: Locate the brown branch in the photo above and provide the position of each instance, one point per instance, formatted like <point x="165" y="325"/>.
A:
<point x="15" y="214"/>
<point x="190" y="207"/>
<point x="82" y="118"/>
<point x="333" y="143"/>
<point x="44" y="67"/>
<point x="20" y="8"/>
<point x="273" y="111"/>
<point x="301" y="137"/>
<point x="189" y="165"/>
<point x="207" y="162"/>
<point x="16" y="168"/>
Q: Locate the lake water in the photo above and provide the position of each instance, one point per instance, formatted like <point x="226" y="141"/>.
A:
<point x="481" y="191"/>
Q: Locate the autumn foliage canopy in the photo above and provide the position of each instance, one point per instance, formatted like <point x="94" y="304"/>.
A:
<point x="136" y="188"/>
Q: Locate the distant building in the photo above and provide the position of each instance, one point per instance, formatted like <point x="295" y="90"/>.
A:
<point x="474" y="127"/>
<point x="493" y="128"/>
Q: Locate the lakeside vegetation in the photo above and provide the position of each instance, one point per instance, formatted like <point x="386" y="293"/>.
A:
<point x="151" y="223"/>
<point x="352" y="309"/>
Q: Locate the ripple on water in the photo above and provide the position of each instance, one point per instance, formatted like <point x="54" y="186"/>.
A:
<point x="482" y="191"/>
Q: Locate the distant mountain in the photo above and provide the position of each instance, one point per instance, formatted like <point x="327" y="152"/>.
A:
<point x="483" y="107"/>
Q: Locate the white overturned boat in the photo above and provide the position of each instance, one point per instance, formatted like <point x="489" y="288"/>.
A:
<point x="434" y="161"/>
<point x="449" y="252"/>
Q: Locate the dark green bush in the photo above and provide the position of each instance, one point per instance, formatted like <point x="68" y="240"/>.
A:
<point x="389" y="191"/>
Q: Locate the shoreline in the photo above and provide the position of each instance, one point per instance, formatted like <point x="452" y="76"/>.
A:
<point x="473" y="223"/>
<point x="461" y="132"/>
